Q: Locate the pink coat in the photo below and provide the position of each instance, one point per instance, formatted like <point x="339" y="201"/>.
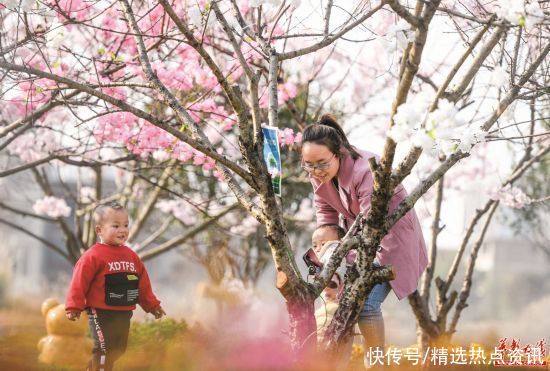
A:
<point x="403" y="247"/>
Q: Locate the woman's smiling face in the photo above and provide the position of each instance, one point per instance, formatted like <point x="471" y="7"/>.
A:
<point x="319" y="162"/>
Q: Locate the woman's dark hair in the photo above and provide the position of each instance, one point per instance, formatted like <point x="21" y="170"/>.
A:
<point x="328" y="133"/>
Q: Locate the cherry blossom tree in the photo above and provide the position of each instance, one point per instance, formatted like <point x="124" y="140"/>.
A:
<point x="193" y="82"/>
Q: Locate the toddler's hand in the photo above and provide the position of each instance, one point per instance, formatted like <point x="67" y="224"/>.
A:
<point x="158" y="312"/>
<point x="72" y="315"/>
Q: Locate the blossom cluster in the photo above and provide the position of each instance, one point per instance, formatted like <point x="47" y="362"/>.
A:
<point x="52" y="206"/>
<point x="443" y="129"/>
<point x="511" y="196"/>
<point x="288" y="137"/>
<point x="31" y="146"/>
<point x="520" y="12"/>
<point x="180" y="209"/>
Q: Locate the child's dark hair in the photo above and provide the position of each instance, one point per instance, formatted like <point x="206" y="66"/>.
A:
<point x="100" y="210"/>
<point x="341" y="232"/>
<point x="328" y="133"/>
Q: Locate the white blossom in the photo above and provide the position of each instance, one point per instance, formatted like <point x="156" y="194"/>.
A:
<point x="511" y="10"/>
<point x="399" y="133"/>
<point x="422" y="140"/>
<point x="445" y="116"/>
<point x="408" y="114"/>
<point x="52" y="206"/>
<point x="87" y="195"/>
<point x="400" y="33"/>
<point x="533" y="15"/>
<point x="470" y="137"/>
<point x="448" y="147"/>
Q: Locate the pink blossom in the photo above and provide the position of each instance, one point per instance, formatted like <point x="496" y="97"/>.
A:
<point x="33" y="146"/>
<point x="52" y="206"/>
<point x="199" y="158"/>
<point x="228" y="124"/>
<point x="288" y="137"/>
<point x="78" y="9"/>
<point x="219" y="175"/>
<point x="115" y="127"/>
<point x="116" y="92"/>
<point x="288" y="91"/>
<point x="511" y="196"/>
<point x="183" y="152"/>
<point x="181" y="209"/>
<point x="209" y="164"/>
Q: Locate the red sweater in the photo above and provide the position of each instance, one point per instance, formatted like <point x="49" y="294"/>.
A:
<point x="110" y="277"/>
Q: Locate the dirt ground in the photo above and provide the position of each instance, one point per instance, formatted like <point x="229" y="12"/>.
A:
<point x="157" y="346"/>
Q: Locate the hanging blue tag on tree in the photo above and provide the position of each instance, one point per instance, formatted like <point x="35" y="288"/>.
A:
<point x="272" y="156"/>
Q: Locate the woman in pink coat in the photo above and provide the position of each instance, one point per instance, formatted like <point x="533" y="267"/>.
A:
<point x="342" y="184"/>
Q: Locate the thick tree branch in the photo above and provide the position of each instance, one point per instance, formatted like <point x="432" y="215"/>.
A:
<point x="404" y="13"/>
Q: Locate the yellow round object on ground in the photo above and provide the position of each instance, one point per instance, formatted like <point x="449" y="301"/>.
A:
<point x="58" y="324"/>
<point x="47" y="305"/>
<point x="68" y="351"/>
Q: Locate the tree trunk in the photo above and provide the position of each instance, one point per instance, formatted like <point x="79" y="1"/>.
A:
<point x="302" y="327"/>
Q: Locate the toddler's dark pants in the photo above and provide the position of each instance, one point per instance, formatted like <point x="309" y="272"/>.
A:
<point x="109" y="330"/>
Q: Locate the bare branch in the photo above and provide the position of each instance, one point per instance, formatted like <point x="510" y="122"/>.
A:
<point x="477" y="62"/>
<point x="465" y="292"/>
<point x="468" y="52"/>
<point x="231" y="36"/>
<point x="329" y="40"/>
<point x="328" y="10"/>
<point x="36" y="237"/>
<point x="26" y="213"/>
<point x="27" y="166"/>
<point x="177" y="241"/>
<point x="145" y="210"/>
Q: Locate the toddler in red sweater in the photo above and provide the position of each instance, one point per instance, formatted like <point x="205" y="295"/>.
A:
<point x="108" y="281"/>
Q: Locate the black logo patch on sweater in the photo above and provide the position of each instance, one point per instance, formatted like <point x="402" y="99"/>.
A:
<point x="121" y="289"/>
